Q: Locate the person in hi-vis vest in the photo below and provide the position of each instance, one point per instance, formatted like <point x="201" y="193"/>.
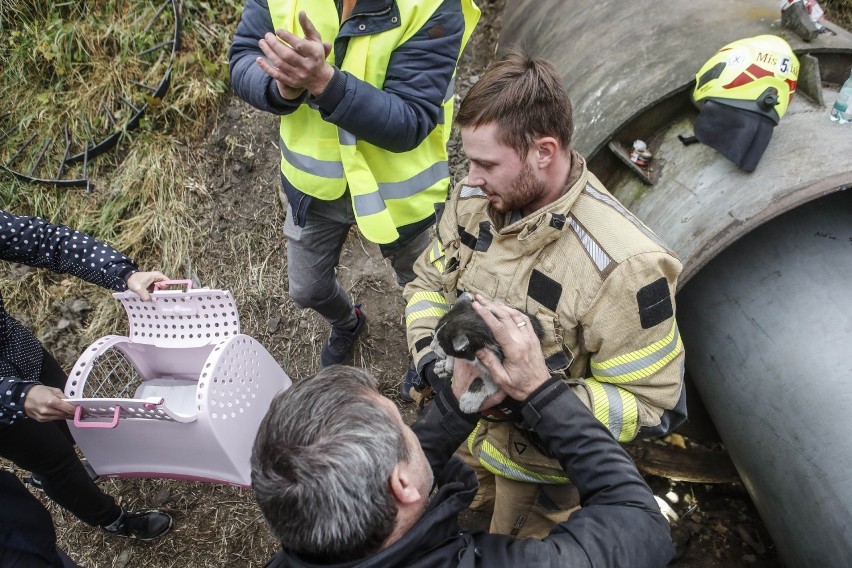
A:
<point x="364" y="89"/>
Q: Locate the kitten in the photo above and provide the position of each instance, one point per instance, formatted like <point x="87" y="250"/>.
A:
<point x="460" y="333"/>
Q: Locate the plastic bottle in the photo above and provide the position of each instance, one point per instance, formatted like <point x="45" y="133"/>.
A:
<point x="841" y="112"/>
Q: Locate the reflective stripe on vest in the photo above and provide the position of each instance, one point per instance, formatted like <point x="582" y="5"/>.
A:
<point x="388" y="189"/>
<point x="436" y="256"/>
<point x="498" y="464"/>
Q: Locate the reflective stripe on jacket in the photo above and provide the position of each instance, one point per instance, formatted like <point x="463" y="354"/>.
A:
<point x="388" y="189"/>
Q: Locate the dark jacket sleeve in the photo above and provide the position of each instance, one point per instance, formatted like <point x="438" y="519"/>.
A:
<point x="248" y="80"/>
<point x="442" y="429"/>
<point x="400" y="115"/>
<point x="619" y="523"/>
<point x="34" y="241"/>
<point x="397" y="117"/>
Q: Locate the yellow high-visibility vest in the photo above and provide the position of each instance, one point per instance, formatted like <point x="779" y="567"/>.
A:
<point x="388" y="189"/>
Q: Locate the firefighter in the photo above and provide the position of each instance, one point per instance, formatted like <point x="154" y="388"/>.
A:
<point x="531" y="227"/>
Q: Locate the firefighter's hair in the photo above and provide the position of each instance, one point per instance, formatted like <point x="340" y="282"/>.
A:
<point x="525" y="98"/>
<point x="321" y="463"/>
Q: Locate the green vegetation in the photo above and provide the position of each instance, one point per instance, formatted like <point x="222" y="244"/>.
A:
<point x="65" y="65"/>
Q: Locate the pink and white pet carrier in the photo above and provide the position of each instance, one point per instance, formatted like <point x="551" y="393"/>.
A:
<point x="182" y="397"/>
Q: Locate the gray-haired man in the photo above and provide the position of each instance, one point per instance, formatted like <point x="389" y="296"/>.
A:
<point x="341" y="479"/>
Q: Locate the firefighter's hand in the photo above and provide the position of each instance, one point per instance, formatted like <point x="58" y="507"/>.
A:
<point x="141" y="283"/>
<point x="298" y="64"/>
<point x="44" y="404"/>
<point x="523" y="369"/>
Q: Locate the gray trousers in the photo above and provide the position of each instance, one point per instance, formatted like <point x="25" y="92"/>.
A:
<point x="313" y="252"/>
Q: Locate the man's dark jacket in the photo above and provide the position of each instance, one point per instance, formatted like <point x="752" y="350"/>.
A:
<point x="619" y="524"/>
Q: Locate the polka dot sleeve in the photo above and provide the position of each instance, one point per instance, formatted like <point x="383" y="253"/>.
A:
<point x="34" y="241"/>
<point x="13" y="390"/>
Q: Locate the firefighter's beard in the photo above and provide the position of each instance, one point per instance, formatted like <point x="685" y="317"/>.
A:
<point x="526" y="191"/>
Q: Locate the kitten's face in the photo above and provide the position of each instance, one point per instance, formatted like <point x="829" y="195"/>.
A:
<point x="461" y="332"/>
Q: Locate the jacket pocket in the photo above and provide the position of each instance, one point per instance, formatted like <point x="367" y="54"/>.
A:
<point x="557" y="355"/>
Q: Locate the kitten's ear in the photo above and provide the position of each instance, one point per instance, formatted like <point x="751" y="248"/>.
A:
<point x="460" y="343"/>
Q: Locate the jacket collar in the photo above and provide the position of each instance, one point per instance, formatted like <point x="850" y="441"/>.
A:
<point x="371" y="17"/>
<point x="368" y="17"/>
<point x="370" y="6"/>
<point x="546" y="224"/>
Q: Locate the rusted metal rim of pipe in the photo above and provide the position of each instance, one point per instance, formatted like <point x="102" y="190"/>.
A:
<point x="735" y="229"/>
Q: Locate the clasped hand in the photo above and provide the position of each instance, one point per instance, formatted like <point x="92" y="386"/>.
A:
<point x="44" y="404"/>
<point x="297" y="63"/>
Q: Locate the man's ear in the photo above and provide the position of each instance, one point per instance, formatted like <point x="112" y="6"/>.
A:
<point x="403" y="486"/>
<point x="546" y="150"/>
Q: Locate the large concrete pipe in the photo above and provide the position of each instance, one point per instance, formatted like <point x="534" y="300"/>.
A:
<point x="629" y="68"/>
<point x="769" y="323"/>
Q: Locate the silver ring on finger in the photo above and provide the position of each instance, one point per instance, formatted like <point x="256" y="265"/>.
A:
<point x="522" y="323"/>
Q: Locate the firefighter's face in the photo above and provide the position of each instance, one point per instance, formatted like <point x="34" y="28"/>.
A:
<point x="509" y="180"/>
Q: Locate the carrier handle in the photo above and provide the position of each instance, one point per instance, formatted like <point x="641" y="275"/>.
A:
<point x="78" y="422"/>
<point x="176" y="285"/>
<point x="166" y="305"/>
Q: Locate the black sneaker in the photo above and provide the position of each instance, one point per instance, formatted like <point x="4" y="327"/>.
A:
<point x="147" y="525"/>
<point x="34" y="481"/>
<point x="340" y="342"/>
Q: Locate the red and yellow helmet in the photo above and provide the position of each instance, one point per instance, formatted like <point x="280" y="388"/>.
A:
<point x="758" y="74"/>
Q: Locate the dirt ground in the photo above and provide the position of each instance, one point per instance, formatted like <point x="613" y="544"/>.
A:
<point x="241" y="248"/>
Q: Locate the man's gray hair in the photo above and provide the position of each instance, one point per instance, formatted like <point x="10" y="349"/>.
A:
<point x="321" y="465"/>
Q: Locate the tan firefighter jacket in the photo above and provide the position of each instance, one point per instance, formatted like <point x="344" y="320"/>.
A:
<point x="602" y="285"/>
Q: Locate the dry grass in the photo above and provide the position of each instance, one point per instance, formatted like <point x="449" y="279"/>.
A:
<point x="214" y="526"/>
<point x="839" y="12"/>
<point x="84" y="64"/>
<point x="75" y="59"/>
